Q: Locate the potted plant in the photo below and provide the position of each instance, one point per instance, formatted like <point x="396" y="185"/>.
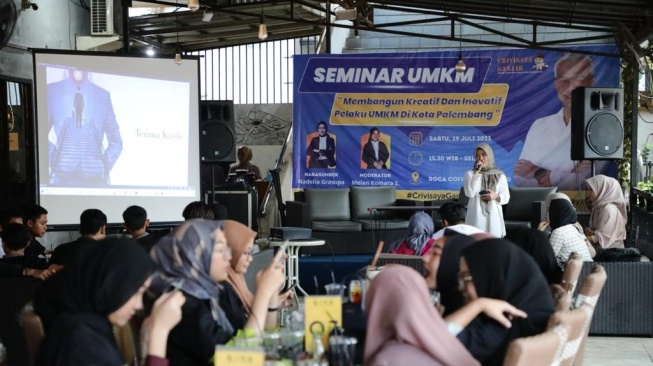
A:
<point x="647" y="187"/>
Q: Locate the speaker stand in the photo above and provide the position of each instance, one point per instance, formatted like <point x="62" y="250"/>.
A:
<point x="213" y="182"/>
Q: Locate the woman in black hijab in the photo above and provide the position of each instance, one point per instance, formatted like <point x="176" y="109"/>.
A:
<point x="536" y="244"/>
<point x="103" y="289"/>
<point x="447" y="272"/>
<point x="566" y="235"/>
<point x="497" y="269"/>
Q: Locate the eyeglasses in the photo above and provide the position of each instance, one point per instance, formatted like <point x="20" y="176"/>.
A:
<point x="464" y="277"/>
<point x="225" y="251"/>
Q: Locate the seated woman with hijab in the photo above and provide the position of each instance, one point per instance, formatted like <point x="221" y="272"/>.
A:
<point x="536" y="244"/>
<point x="418" y="241"/>
<point x="413" y="335"/>
<point x="237" y="300"/>
<point x="442" y="264"/>
<point x="566" y="237"/>
<point x="244" y="163"/>
<point x="487" y="189"/>
<point x="196" y="255"/>
<point x="607" y="226"/>
<point x="545" y="224"/>
<point x="491" y="270"/>
<point x="105" y="289"/>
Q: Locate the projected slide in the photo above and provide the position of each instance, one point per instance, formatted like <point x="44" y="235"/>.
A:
<point x="101" y="126"/>
<point x="120" y="129"/>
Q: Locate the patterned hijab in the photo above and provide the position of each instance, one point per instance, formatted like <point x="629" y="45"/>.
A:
<point x="186" y="253"/>
<point x="608" y="191"/>
<point x="239" y="237"/>
<point x="491" y="174"/>
<point x="420" y="230"/>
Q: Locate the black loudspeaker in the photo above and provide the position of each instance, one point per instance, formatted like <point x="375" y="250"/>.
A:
<point x="217" y="131"/>
<point x="242" y="206"/>
<point x="597" y="131"/>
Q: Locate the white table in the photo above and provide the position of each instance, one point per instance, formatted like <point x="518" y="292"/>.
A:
<point x="292" y="264"/>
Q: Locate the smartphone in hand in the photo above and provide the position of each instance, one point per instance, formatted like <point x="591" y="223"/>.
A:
<point x="280" y="256"/>
<point x="484" y="192"/>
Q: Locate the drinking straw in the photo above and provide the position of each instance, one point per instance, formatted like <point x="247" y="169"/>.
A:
<point x="377" y="254"/>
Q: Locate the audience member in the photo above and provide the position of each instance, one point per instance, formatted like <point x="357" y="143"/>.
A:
<point x="418" y="241"/>
<point x="12" y="270"/>
<point x="219" y="211"/>
<point x="196" y="255"/>
<point x="607" y="226"/>
<point x="92" y="227"/>
<point x="496" y="269"/>
<point x="453" y="216"/>
<point x="536" y="244"/>
<point x="244" y="163"/>
<point x="36" y="219"/>
<point x="407" y="335"/>
<point x="15" y="238"/>
<point x="236" y="299"/>
<point x="441" y="267"/>
<point x="487" y="189"/>
<point x="105" y="289"/>
<point x="9" y="216"/>
<point x="543" y="226"/>
<point x="136" y="224"/>
<point x="198" y="210"/>
<point x="9" y="268"/>
<point x="565" y="237"/>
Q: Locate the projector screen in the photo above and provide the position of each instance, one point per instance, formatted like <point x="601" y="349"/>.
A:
<point x="115" y="131"/>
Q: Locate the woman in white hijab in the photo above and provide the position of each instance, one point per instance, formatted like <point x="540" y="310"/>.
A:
<point x="487" y="189"/>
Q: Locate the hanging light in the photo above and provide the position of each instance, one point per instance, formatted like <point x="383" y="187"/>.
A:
<point x="178" y="50"/>
<point x="178" y="56"/>
<point x="193" y="5"/>
<point x="262" y="29"/>
<point x="460" y="65"/>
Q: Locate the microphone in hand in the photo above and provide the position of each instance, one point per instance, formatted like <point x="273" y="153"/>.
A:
<point x="477" y="167"/>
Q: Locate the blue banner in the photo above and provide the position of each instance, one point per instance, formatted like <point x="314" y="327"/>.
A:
<point x="413" y="121"/>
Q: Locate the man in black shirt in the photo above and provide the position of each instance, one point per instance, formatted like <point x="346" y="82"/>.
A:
<point x="36" y="219"/>
<point x="15" y="238"/>
<point x="92" y="227"/>
<point x="136" y="223"/>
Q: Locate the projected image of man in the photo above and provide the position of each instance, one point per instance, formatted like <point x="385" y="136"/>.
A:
<point x="83" y="135"/>
<point x="545" y="159"/>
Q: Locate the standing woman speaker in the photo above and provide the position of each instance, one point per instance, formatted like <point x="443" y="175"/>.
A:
<point x="487" y="189"/>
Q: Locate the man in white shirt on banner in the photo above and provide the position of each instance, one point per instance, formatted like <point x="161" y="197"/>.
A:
<point x="545" y="159"/>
